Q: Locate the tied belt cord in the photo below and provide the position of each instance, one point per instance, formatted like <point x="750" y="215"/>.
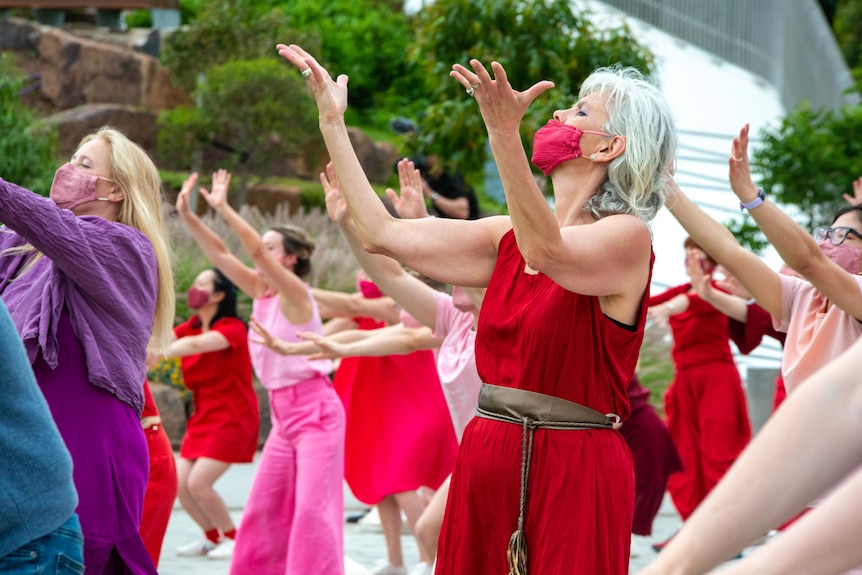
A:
<point x="533" y="410"/>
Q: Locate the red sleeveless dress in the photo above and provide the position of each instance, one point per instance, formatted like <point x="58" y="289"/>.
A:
<point x="537" y="336"/>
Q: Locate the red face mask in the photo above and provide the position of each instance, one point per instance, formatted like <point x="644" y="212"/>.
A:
<point x="556" y="143"/>
<point x="197" y="298"/>
<point x="73" y="187"/>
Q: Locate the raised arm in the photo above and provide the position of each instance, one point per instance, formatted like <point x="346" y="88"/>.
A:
<point x="295" y="302"/>
<point x="758" y="278"/>
<point x="214" y="248"/>
<point x="556" y="244"/>
<point x="786" y="457"/>
<point x="795" y="245"/>
<point x="393" y="340"/>
<point x="454" y="251"/>
<point x="417" y="298"/>
<point x="339" y="304"/>
<point x="730" y="305"/>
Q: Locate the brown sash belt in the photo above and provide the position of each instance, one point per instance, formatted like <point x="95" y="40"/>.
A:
<point x="533" y="410"/>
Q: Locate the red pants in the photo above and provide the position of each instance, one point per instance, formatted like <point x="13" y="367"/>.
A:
<point x="161" y="490"/>
<point x="707" y="417"/>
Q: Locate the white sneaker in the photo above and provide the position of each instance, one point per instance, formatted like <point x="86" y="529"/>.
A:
<point x="390" y="569"/>
<point x="421" y="569"/>
<point x="224" y="550"/>
<point x="197" y="548"/>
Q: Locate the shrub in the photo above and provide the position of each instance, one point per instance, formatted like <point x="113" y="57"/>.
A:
<point x="28" y="146"/>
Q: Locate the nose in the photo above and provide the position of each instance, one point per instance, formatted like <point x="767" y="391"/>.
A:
<point x="560" y="115"/>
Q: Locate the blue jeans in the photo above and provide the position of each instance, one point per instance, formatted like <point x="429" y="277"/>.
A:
<point x="60" y="552"/>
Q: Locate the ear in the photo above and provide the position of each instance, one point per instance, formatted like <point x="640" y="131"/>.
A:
<point x="217" y="296"/>
<point x="289" y="260"/>
<point x="116" y="194"/>
<point x="611" y="149"/>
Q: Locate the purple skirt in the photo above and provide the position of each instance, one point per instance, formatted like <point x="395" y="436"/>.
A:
<point x="109" y="455"/>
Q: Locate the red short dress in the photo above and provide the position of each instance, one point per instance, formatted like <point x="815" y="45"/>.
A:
<point x="535" y="335"/>
<point x="226" y="419"/>
<point x="399" y="431"/>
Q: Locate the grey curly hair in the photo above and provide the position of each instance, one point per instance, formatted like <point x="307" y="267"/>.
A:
<point x="636" y="182"/>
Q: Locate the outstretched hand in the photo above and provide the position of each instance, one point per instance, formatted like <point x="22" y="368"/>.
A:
<point x="328" y="348"/>
<point x="501" y="106"/>
<point x="331" y="96"/>
<point x="217" y="198"/>
<point x="856" y="198"/>
<point x="184" y="197"/>
<point x="701" y="281"/>
<point x="336" y="206"/>
<point x="410" y="204"/>
<point x="740" y="170"/>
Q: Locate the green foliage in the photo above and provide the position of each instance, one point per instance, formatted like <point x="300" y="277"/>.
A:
<point x="227" y="30"/>
<point x="259" y="106"/>
<point x="811" y="159"/>
<point x="28" y="147"/>
<point x="533" y="41"/>
<point x="748" y="234"/>
<point x="848" y="29"/>
<point x="368" y="40"/>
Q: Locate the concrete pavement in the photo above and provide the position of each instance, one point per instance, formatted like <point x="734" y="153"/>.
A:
<point x="363" y="544"/>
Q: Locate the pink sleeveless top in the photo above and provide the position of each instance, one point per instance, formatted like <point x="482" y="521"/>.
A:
<point x="277" y="371"/>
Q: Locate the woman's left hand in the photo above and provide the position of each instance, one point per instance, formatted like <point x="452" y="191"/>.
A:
<point x="331" y="96"/>
<point x="502" y="107"/>
<point x="740" y="171"/>
<point x="217" y="198"/>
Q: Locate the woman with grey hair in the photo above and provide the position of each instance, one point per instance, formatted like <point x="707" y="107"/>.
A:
<point x="562" y="320"/>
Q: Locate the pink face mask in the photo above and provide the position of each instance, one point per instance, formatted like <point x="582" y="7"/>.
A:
<point x="73" y="187"/>
<point x="556" y="143"/>
<point x="847" y="257"/>
<point x="197" y="298"/>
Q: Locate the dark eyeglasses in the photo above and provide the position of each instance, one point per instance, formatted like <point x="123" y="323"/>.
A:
<point x="836" y="236"/>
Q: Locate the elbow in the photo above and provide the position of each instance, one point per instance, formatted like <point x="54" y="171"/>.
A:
<point x="538" y="258"/>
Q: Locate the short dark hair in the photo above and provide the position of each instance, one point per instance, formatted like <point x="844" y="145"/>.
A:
<point x="227" y="306"/>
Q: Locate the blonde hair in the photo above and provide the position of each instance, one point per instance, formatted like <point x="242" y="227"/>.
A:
<point x="136" y="174"/>
<point x="637" y="180"/>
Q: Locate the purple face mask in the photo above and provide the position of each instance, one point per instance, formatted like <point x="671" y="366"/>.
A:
<point x="556" y="143"/>
<point x="847" y="257"/>
<point x="73" y="187"/>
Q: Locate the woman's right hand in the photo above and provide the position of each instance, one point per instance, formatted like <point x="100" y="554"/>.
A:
<point x="184" y="197"/>
<point x="701" y="281"/>
<point x="331" y="96"/>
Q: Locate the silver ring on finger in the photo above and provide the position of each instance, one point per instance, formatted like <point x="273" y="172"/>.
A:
<point x="306" y="73"/>
<point x="470" y="91"/>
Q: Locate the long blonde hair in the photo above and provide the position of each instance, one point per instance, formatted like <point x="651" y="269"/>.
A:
<point x="136" y="174"/>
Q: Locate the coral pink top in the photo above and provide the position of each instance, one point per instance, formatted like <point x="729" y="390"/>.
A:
<point x="817" y="332"/>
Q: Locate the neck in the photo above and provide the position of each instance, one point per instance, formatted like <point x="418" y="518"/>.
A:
<point x="206" y="315"/>
<point x="574" y="183"/>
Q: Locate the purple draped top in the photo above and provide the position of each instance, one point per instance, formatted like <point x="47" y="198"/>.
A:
<point x="103" y="272"/>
